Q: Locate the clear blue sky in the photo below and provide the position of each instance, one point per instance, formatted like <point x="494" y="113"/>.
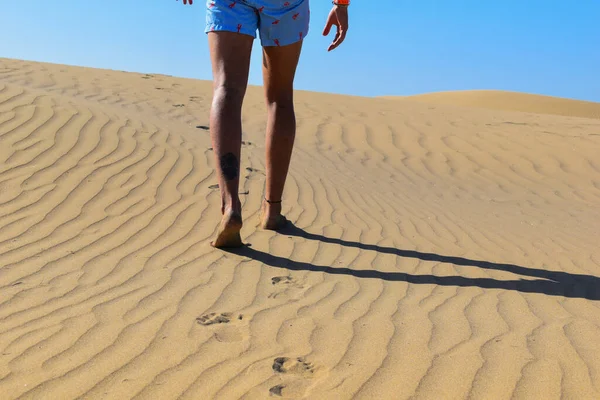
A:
<point x="394" y="47"/>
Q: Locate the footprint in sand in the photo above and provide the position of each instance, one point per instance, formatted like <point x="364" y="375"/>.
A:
<point x="286" y="285"/>
<point x="283" y="280"/>
<point x="203" y="127"/>
<point x="253" y="173"/>
<point x="296" y="366"/>
<point x="298" y="375"/>
<point x="214" y="318"/>
<point x="250" y="169"/>
<point x="227" y="333"/>
<point x="277" y="390"/>
<point x="297" y="389"/>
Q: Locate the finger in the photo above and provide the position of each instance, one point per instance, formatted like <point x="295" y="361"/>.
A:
<point x="337" y="34"/>
<point x="328" y="26"/>
<point x="335" y="39"/>
<point x="338" y="40"/>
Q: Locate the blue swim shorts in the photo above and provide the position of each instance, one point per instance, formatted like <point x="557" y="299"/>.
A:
<point x="279" y="22"/>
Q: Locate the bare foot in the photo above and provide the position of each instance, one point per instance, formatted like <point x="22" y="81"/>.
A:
<point x="271" y="217"/>
<point x="228" y="235"/>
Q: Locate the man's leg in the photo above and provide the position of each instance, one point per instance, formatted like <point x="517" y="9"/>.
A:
<point x="230" y="56"/>
<point x="279" y="69"/>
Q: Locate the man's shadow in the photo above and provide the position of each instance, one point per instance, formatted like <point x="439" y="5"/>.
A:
<point x="554" y="283"/>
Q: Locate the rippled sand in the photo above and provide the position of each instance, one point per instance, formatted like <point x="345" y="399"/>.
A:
<point x="436" y="252"/>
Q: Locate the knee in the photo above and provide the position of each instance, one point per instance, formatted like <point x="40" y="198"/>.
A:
<point x="227" y="94"/>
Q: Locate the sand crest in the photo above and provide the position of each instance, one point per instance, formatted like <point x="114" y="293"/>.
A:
<point x="510" y="101"/>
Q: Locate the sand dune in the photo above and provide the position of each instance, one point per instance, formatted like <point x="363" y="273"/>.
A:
<point x="510" y="101"/>
<point x="436" y="252"/>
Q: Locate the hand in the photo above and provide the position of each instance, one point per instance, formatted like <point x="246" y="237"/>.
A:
<point x="338" y="16"/>
<point x="188" y="1"/>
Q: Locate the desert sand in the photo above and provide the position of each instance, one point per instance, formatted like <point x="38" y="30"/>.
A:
<point x="436" y="252"/>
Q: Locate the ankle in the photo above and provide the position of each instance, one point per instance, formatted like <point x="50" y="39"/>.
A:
<point x="232" y="206"/>
<point x="272" y="207"/>
<point x="269" y="200"/>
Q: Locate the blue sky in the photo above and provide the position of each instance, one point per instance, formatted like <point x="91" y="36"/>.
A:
<point x="394" y="47"/>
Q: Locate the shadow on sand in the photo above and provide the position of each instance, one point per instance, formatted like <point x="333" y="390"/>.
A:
<point x="554" y="283"/>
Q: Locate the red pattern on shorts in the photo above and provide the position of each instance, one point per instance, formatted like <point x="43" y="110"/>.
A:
<point x="261" y="10"/>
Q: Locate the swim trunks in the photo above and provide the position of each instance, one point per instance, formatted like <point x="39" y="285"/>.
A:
<point x="279" y="22"/>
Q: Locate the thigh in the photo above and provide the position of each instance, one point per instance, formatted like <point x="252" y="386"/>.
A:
<point x="230" y="57"/>
<point x="279" y="70"/>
